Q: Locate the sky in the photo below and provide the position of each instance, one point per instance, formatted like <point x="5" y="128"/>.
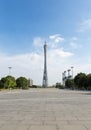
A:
<point x="26" y="24"/>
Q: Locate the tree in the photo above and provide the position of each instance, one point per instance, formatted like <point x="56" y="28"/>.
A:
<point x="22" y="82"/>
<point x="58" y="85"/>
<point x="2" y="81"/>
<point x="89" y="81"/>
<point x="1" y="85"/>
<point x="69" y="83"/>
<point x="80" y="81"/>
<point x="8" y="82"/>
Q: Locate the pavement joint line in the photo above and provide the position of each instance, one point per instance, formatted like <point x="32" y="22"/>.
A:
<point x="48" y="108"/>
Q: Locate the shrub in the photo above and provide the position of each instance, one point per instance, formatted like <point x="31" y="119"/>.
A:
<point x="8" y="82"/>
<point x="22" y="83"/>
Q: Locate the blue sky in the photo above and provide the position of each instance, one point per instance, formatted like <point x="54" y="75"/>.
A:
<point x="26" y="24"/>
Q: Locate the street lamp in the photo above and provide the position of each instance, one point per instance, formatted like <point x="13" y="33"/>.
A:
<point x="72" y="70"/>
<point x="10" y="70"/>
<point x="69" y="73"/>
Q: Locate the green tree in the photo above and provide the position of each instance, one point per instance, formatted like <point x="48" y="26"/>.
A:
<point x="80" y="81"/>
<point x="1" y="85"/>
<point x="8" y="82"/>
<point x="89" y="81"/>
<point x="58" y="85"/>
<point x="22" y="83"/>
<point x="69" y="83"/>
<point x="2" y="81"/>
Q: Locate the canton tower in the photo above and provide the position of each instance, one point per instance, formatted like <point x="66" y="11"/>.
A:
<point x="45" y="78"/>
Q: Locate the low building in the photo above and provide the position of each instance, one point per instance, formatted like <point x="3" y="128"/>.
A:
<point x="30" y="82"/>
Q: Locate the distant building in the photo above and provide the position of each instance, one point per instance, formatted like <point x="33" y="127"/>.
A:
<point x="30" y="82"/>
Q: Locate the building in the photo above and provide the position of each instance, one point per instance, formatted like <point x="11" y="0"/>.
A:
<point x="30" y="82"/>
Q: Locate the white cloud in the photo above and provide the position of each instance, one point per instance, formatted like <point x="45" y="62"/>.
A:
<point x="82" y="67"/>
<point x="31" y="64"/>
<point x="28" y="65"/>
<point x="53" y="41"/>
<point x="56" y="38"/>
<point x="85" y="25"/>
<point x="59" y="53"/>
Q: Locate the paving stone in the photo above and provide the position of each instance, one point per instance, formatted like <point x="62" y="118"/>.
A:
<point x="15" y="127"/>
<point x="48" y="118"/>
<point x="55" y="122"/>
<point x="71" y="127"/>
<point x="43" y="127"/>
<point x="31" y="122"/>
<point x="88" y="127"/>
<point x="45" y="109"/>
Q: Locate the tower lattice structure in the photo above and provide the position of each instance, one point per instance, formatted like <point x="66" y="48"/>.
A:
<point x="45" y="78"/>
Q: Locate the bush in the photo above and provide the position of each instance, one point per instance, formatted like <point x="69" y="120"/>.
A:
<point x="58" y="85"/>
<point x="69" y="83"/>
<point x="34" y="86"/>
<point x="81" y="81"/>
<point x="8" y="82"/>
<point x="22" y="83"/>
<point x="89" y="81"/>
<point x="1" y="84"/>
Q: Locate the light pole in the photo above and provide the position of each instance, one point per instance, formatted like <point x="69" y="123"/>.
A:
<point x="10" y="70"/>
<point x="72" y="70"/>
<point x="63" y="78"/>
<point x="69" y="73"/>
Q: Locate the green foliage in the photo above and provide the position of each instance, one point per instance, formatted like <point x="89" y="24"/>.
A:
<point x="2" y="82"/>
<point x="1" y="85"/>
<point x="58" y="85"/>
<point x="80" y="81"/>
<point x="89" y="81"/>
<point x="22" y="83"/>
<point x="35" y="86"/>
<point x="8" y="82"/>
<point x="69" y="83"/>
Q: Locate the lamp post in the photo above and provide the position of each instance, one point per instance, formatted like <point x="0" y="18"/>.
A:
<point x="72" y="70"/>
<point x="10" y="70"/>
<point x="69" y="73"/>
<point x="63" y="78"/>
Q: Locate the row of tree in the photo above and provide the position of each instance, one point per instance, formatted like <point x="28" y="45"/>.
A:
<point x="80" y="81"/>
<point x="9" y="82"/>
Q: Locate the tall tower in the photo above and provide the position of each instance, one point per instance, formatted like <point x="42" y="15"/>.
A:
<point x="45" y="78"/>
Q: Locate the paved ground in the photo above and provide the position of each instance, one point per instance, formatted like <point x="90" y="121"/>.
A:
<point x="45" y="109"/>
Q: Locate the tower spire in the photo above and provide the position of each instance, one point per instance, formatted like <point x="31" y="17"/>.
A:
<point x="45" y="78"/>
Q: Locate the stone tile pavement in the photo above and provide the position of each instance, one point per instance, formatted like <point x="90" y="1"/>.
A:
<point x="45" y="109"/>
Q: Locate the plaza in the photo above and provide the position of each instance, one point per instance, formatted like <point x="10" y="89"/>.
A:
<point x="45" y="109"/>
